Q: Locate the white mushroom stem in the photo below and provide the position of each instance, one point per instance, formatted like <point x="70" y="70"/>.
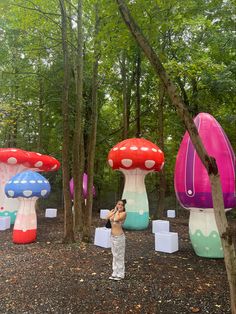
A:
<point x="8" y="205"/>
<point x="204" y="233"/>
<point x="135" y="191"/>
<point x="26" y="218"/>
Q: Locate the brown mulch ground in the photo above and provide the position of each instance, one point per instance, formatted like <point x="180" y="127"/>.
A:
<point x="50" y="277"/>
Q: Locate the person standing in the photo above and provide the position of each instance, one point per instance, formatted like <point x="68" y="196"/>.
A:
<point x="117" y="217"/>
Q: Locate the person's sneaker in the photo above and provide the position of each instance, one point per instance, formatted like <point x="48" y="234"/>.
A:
<point x="112" y="278"/>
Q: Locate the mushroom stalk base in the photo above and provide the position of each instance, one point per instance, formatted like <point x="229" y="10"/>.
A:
<point x="25" y="227"/>
<point x="137" y="207"/>
<point x="204" y="233"/>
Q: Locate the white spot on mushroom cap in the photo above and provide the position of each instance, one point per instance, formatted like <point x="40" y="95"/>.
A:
<point x="144" y="149"/>
<point x="162" y="165"/>
<point x="126" y="162"/>
<point x="160" y="151"/>
<point x="12" y="160"/>
<point x="11" y="193"/>
<point x="190" y="192"/>
<point x="38" y="154"/>
<point x="23" y="181"/>
<point x="32" y="181"/>
<point x="38" y="164"/>
<point x="149" y="163"/>
<point x="154" y="150"/>
<point x="110" y="161"/>
<point x="27" y="193"/>
<point x="54" y="167"/>
<point x="134" y="148"/>
<point x="43" y="192"/>
<point x="123" y="148"/>
<point x="16" y="181"/>
<point x="39" y="181"/>
<point x="115" y="148"/>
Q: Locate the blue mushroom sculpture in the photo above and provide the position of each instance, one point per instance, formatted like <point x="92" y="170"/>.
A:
<point x="27" y="186"/>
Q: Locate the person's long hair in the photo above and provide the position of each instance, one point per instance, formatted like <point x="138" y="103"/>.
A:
<point x="124" y="202"/>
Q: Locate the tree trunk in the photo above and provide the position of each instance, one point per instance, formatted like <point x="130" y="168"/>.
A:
<point x="78" y="130"/>
<point x="40" y="115"/>
<point x="124" y="93"/>
<point x="138" y="97"/>
<point x="68" y="217"/>
<point x="92" y="136"/>
<point x="208" y="161"/>
<point x="162" y="187"/>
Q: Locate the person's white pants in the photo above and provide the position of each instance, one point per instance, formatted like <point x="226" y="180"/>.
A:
<point x="118" y="252"/>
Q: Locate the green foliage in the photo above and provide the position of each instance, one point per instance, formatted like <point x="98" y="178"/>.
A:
<point x="193" y="39"/>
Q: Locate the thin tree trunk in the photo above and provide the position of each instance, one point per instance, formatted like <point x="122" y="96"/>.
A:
<point x="124" y="93"/>
<point x="162" y="187"/>
<point x="138" y="97"/>
<point x="40" y="115"/>
<point x="92" y="136"/>
<point x="68" y="217"/>
<point x="208" y="161"/>
<point x="78" y="130"/>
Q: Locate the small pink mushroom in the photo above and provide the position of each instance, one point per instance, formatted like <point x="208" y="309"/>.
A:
<point x="13" y="161"/>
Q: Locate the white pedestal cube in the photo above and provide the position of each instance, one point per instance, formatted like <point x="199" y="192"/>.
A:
<point x="103" y="213"/>
<point x="102" y="237"/>
<point x="166" y="242"/>
<point x="5" y="223"/>
<point x="51" y="212"/>
<point x="171" y="213"/>
<point x="160" y="226"/>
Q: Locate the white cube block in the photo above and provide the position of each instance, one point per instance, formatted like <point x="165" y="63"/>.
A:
<point x="102" y="237"/>
<point x="160" y="225"/>
<point x="166" y="242"/>
<point x="51" y="212"/>
<point x="5" y="222"/>
<point x="104" y="213"/>
<point x="171" y="213"/>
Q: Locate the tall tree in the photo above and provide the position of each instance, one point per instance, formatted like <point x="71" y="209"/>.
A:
<point x="68" y="216"/>
<point x="93" y="131"/>
<point x="78" y="128"/>
<point x="208" y="161"/>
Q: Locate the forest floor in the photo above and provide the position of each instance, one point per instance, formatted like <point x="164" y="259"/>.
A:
<point x="50" y="277"/>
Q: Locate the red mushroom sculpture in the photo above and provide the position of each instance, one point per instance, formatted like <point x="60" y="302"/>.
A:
<point x="135" y="158"/>
<point x="13" y="161"/>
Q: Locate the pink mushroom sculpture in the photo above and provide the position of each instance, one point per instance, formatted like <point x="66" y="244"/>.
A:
<point x="85" y="187"/>
<point x="13" y="161"/>
<point x="135" y="158"/>
<point x="192" y="184"/>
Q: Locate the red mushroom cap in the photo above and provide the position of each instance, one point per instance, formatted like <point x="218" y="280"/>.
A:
<point x="136" y="153"/>
<point x="32" y="160"/>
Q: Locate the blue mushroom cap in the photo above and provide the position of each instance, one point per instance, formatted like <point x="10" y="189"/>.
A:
<point x="27" y="184"/>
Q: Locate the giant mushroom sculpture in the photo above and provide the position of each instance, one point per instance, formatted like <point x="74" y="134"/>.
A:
<point x="193" y="188"/>
<point x="27" y="186"/>
<point x="135" y="158"/>
<point x="13" y="161"/>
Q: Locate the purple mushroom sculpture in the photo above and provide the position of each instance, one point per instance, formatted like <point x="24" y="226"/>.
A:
<point x="192" y="184"/>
